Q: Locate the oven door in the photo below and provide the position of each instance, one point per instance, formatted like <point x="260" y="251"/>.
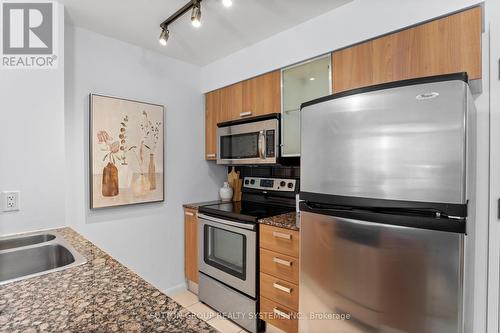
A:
<point x="227" y="252"/>
<point x="249" y="143"/>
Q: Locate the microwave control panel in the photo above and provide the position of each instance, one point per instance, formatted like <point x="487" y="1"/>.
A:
<point x="270" y="184"/>
<point x="270" y="143"/>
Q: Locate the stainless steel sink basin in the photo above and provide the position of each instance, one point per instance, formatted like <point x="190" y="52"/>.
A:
<point x="27" y="256"/>
<point x="13" y="242"/>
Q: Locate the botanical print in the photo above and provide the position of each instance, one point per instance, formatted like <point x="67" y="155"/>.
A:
<point x="126" y="152"/>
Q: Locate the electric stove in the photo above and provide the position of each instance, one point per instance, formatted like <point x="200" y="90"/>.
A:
<point x="261" y="198"/>
<point x="228" y="247"/>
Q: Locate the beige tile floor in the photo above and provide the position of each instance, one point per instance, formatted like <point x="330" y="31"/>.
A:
<point x="190" y="301"/>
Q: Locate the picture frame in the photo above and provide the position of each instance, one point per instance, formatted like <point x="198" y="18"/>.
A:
<point x="126" y="152"/>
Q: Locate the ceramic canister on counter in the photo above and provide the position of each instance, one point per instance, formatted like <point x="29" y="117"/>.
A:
<point x="226" y="192"/>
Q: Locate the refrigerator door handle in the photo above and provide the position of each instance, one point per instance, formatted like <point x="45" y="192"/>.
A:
<point x="324" y="209"/>
<point x="388" y="217"/>
<point x="498" y="209"/>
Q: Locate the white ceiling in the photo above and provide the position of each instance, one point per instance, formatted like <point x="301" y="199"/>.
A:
<point x="223" y="30"/>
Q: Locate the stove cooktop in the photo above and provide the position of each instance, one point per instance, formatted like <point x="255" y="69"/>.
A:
<point x="245" y="210"/>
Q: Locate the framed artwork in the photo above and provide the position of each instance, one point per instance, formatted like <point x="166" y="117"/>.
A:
<point x="126" y="152"/>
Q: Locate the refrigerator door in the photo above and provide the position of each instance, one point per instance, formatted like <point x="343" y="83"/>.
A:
<point x="406" y="143"/>
<point x="360" y="277"/>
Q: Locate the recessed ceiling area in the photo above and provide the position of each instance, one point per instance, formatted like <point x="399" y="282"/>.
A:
<point x="223" y="30"/>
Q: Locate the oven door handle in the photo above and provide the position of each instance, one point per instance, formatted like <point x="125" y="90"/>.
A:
<point x="227" y="222"/>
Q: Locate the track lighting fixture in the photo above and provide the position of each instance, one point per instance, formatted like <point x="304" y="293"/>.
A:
<point x="195" y="7"/>
<point x="196" y="14"/>
<point x="164" y="36"/>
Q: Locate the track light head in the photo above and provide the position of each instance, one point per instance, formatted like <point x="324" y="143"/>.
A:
<point x="196" y="14"/>
<point x="227" y="3"/>
<point x="164" y="36"/>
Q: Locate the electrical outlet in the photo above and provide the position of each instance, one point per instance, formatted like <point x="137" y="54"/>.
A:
<point x="10" y="201"/>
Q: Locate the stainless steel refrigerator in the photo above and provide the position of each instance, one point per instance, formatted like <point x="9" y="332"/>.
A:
<point x="387" y="183"/>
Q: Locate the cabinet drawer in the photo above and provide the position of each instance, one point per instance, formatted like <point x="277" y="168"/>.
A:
<point x="281" y="240"/>
<point x="279" y="265"/>
<point x="278" y="315"/>
<point x="280" y="291"/>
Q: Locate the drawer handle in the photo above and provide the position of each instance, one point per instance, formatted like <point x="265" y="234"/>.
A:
<point x="282" y="235"/>
<point x="211" y="155"/>
<point x="189" y="214"/>
<point x="245" y="114"/>
<point x="282" y="262"/>
<point x="281" y="313"/>
<point x="278" y="286"/>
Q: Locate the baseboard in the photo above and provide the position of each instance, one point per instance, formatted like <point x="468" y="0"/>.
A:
<point x="175" y="289"/>
<point x="192" y="287"/>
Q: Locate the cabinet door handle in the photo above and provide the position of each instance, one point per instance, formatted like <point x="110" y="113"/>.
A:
<point x="211" y="155"/>
<point x="278" y="286"/>
<point x="281" y="313"/>
<point x="245" y="114"/>
<point x="282" y="235"/>
<point x="189" y="214"/>
<point x="282" y="262"/>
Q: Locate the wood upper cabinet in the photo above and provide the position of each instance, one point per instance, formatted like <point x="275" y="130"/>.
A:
<point x="254" y="97"/>
<point x="231" y="102"/>
<point x="212" y="115"/>
<point x="262" y="95"/>
<point x="191" y="245"/>
<point x="447" y="45"/>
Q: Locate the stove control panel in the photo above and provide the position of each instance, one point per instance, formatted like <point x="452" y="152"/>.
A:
<point x="270" y="184"/>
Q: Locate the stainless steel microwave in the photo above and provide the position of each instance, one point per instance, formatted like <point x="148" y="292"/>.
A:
<point x="249" y="141"/>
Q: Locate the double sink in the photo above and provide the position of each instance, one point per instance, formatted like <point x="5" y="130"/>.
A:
<point x="29" y="255"/>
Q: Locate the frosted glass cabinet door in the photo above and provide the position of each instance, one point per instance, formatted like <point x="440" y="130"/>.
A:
<point x="301" y="83"/>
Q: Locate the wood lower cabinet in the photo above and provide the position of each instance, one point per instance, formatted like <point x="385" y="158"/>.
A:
<point x="279" y="265"/>
<point x="278" y="315"/>
<point x="262" y="95"/>
<point x="191" y="245"/>
<point x="279" y="290"/>
<point x="279" y="277"/>
<point x="212" y="115"/>
<point x="280" y="240"/>
<point x="448" y="45"/>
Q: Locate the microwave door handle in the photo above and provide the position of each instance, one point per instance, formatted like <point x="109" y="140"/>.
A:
<point x="262" y="145"/>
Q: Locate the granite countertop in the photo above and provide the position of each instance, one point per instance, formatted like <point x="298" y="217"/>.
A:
<point x="287" y="221"/>
<point x="198" y="204"/>
<point x="99" y="296"/>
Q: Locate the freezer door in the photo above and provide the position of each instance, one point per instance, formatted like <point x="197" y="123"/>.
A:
<point x="361" y="277"/>
<point x="406" y="143"/>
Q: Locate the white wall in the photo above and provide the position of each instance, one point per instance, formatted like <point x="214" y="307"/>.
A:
<point x="482" y="184"/>
<point x="32" y="143"/>
<point x="493" y="18"/>
<point x="354" y="22"/>
<point x="146" y="238"/>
